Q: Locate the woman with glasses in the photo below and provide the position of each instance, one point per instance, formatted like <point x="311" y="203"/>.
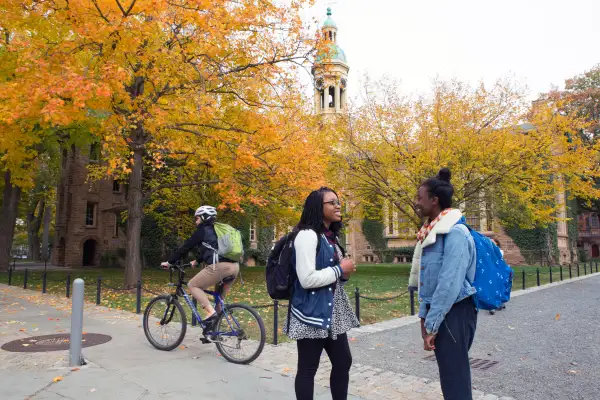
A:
<point x="320" y="311"/>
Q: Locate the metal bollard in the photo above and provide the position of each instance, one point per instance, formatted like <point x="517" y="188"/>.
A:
<point x="357" y="303"/>
<point x="596" y="266"/>
<point x="10" y="271"/>
<point x="523" y="279"/>
<point x="68" y="285"/>
<point x="538" y="276"/>
<point x="75" y="357"/>
<point x="138" y="298"/>
<point x="275" y="320"/>
<point x="577" y="269"/>
<point x="44" y="282"/>
<point x="25" y="280"/>
<point x="584" y="269"/>
<point x="412" y="300"/>
<point x="550" y="269"/>
<point x="98" y="289"/>
<point x="194" y="321"/>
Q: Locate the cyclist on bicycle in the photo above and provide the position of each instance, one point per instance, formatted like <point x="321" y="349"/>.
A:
<point x="219" y="270"/>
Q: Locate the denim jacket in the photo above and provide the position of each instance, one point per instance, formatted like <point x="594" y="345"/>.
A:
<point x="446" y="274"/>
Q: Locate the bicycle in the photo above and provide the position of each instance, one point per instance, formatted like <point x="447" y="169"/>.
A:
<point x="236" y="323"/>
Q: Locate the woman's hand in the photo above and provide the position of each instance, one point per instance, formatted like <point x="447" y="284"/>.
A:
<point x="348" y="267"/>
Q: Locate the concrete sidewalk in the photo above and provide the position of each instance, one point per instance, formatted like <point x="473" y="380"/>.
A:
<point x="127" y="367"/>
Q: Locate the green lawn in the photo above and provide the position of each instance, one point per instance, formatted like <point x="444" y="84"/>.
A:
<point x="379" y="281"/>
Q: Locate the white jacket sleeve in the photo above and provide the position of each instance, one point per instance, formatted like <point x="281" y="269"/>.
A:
<point x="306" y="257"/>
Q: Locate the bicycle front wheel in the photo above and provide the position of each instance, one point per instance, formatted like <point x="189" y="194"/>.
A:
<point x="164" y="323"/>
<point x="240" y="333"/>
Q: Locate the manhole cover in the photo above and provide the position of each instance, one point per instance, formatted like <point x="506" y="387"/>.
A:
<point x="476" y="363"/>
<point x="35" y="344"/>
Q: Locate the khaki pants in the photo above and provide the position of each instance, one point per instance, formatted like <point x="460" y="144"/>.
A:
<point x="212" y="275"/>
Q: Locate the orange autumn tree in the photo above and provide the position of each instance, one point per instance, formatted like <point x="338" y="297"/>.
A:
<point x="205" y="88"/>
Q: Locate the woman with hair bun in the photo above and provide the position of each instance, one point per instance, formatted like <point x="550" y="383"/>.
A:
<point x="443" y="270"/>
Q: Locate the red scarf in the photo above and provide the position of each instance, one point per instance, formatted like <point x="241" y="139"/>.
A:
<point x="426" y="228"/>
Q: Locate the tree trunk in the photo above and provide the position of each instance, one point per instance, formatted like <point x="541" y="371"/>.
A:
<point x="133" y="264"/>
<point x="34" y="224"/>
<point x="8" y="218"/>
<point x="46" y="232"/>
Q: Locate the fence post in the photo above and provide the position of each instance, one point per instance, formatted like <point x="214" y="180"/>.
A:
<point x="550" y="269"/>
<point x="357" y="302"/>
<point x="538" y="276"/>
<point x="138" y="298"/>
<point x="577" y="269"/>
<point x="44" y="282"/>
<point x="98" y="289"/>
<point x="25" y="280"/>
<point x="561" y="275"/>
<point x="10" y="271"/>
<point x="412" y="300"/>
<point x="524" y="280"/>
<point x="195" y="303"/>
<point x="596" y="266"/>
<point x="570" y="272"/>
<point x="75" y="355"/>
<point x="68" y="285"/>
<point x="275" y="320"/>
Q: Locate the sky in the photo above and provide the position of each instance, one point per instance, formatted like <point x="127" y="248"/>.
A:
<point x="539" y="43"/>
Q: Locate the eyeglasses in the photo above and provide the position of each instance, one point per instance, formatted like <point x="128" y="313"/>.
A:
<point x="335" y="203"/>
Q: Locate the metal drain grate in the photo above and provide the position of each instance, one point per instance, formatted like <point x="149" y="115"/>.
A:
<point x="476" y="363"/>
<point x="45" y="343"/>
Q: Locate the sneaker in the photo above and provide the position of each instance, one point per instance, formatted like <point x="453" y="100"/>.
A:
<point x="492" y="312"/>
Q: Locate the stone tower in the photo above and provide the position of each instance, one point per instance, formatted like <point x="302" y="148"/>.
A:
<point x="330" y="72"/>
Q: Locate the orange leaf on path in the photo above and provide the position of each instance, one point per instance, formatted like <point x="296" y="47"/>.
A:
<point x="57" y="379"/>
<point x="557" y="317"/>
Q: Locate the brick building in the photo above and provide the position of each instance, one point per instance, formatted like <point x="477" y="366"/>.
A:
<point x="87" y="213"/>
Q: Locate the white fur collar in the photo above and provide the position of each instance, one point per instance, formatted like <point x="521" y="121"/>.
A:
<point x="443" y="226"/>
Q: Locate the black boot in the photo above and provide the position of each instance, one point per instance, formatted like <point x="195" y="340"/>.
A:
<point x="209" y="325"/>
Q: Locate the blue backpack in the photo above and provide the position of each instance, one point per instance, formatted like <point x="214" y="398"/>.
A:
<point x="493" y="277"/>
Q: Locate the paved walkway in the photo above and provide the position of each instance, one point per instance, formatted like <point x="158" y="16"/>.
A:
<point x="127" y="367"/>
<point x="545" y="343"/>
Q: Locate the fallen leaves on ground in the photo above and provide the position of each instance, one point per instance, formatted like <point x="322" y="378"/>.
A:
<point x="557" y="317"/>
<point x="57" y="379"/>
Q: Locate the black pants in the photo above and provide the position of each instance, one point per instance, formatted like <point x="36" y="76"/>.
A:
<point x="309" y="355"/>
<point x="452" y="344"/>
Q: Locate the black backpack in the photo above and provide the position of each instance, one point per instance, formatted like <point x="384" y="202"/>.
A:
<point x="280" y="272"/>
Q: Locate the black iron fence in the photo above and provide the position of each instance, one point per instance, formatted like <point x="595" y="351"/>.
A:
<point x="545" y="274"/>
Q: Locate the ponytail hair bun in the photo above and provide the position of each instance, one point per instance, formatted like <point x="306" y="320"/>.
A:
<point x="444" y="175"/>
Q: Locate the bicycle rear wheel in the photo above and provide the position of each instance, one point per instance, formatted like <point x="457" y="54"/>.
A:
<point x="165" y="323"/>
<point x="240" y="333"/>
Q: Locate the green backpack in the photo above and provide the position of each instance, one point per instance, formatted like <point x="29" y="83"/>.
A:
<point x="230" y="242"/>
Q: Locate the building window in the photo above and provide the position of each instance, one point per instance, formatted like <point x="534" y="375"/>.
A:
<point x="90" y="214"/>
<point x="253" y="232"/>
<point x="473" y="219"/>
<point x="390" y="219"/>
<point x="368" y="247"/>
<point x="94" y="152"/>
<point x="594" y="221"/>
<point x="117" y="221"/>
<point x="116" y="186"/>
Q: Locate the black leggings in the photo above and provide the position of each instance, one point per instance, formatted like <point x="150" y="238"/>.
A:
<point x="309" y="355"/>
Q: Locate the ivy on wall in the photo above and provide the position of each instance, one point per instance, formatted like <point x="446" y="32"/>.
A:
<point x="538" y="245"/>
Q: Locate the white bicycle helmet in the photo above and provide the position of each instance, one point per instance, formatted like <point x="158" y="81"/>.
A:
<point x="206" y="212"/>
